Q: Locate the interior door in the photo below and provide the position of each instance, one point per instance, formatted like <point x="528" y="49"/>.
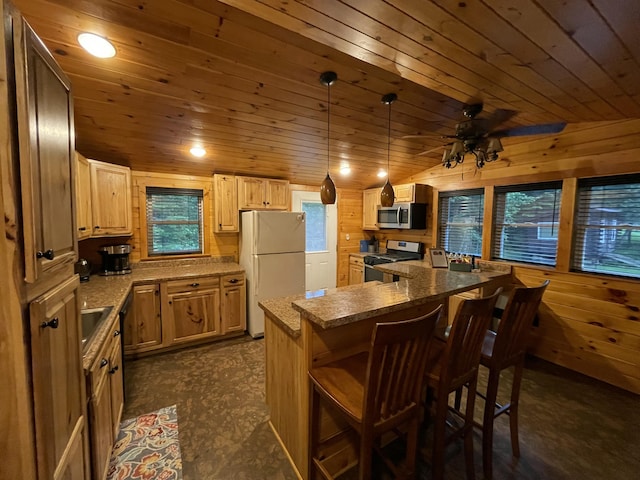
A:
<point x="321" y="240"/>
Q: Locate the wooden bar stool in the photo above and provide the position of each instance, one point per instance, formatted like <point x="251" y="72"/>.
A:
<point x="501" y="350"/>
<point x="457" y="365"/>
<point x="376" y="392"/>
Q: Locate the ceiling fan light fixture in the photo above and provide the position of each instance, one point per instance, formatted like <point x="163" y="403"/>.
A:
<point x="96" y="45"/>
<point x="387" y="195"/>
<point x="328" y="188"/>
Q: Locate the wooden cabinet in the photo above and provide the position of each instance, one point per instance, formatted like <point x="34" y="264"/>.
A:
<point x="234" y="304"/>
<point x="58" y="383"/>
<point x="226" y="204"/>
<point x="370" y="202"/>
<point x="190" y="309"/>
<point x="412" y="192"/>
<point x="356" y="269"/>
<point x="46" y="146"/>
<point x="84" y="221"/>
<point x="105" y="385"/>
<point x="110" y="199"/>
<point x="262" y="194"/>
<point x="143" y="327"/>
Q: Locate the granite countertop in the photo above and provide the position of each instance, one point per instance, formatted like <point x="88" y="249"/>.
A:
<point x="425" y="284"/>
<point x="102" y="291"/>
<point x="281" y="308"/>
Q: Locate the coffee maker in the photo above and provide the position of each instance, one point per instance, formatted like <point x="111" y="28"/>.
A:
<point x="115" y="259"/>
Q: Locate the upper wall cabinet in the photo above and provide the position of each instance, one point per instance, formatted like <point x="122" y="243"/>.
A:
<point x="412" y="193"/>
<point x="226" y="204"/>
<point x="370" y="201"/>
<point x="84" y="221"/>
<point x="46" y="145"/>
<point x="110" y="199"/>
<point x="262" y="194"/>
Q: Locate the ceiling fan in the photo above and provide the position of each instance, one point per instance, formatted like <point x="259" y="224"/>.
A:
<point x="479" y="137"/>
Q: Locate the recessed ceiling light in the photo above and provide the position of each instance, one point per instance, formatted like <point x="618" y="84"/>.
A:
<point x="96" y="45"/>
<point x="345" y="169"/>
<point x="382" y="174"/>
<point x="198" y="151"/>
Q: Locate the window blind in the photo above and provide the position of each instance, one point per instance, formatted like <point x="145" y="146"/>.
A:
<point x="525" y="227"/>
<point x="460" y="216"/>
<point x="607" y="226"/>
<point x="174" y="221"/>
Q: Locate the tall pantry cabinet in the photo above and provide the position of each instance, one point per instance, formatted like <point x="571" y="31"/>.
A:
<point x="39" y="288"/>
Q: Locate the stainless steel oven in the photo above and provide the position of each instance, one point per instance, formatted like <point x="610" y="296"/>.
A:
<point x="403" y="216"/>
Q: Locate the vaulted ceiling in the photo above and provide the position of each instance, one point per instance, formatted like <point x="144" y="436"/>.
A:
<point x="241" y="77"/>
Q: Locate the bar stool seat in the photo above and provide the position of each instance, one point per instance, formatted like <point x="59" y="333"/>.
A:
<point x="375" y="392"/>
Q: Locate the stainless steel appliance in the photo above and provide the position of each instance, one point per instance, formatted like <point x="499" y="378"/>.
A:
<point x="397" y="251"/>
<point x="115" y="259"/>
<point x="83" y="268"/>
<point x="403" y="215"/>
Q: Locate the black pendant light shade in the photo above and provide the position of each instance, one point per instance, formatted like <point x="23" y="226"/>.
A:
<point x="328" y="188"/>
<point x="387" y="195"/>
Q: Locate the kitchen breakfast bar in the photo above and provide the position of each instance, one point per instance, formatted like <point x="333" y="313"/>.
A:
<point x="305" y="331"/>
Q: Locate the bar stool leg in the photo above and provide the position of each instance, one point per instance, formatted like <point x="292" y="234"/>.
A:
<point x="513" y="410"/>
<point x="439" y="433"/>
<point x="468" y="430"/>
<point x="487" y="424"/>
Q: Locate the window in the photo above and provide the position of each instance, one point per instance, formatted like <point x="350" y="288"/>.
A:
<point x="316" y="238"/>
<point x="607" y="226"/>
<point x="174" y="221"/>
<point x="460" y="221"/>
<point x="526" y="223"/>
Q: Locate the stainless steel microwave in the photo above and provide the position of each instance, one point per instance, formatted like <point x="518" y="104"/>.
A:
<point x="403" y="215"/>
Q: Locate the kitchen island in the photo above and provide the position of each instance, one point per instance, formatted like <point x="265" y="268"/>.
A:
<point x="311" y="330"/>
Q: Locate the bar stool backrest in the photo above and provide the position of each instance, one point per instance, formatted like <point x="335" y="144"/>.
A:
<point x="514" y="327"/>
<point x="396" y="367"/>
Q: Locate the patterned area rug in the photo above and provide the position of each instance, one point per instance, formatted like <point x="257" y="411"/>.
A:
<point x="147" y="448"/>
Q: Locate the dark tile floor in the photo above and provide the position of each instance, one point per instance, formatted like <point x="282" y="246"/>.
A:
<point x="571" y="427"/>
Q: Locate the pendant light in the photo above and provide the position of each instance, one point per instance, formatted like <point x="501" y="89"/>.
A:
<point x="328" y="188"/>
<point x="387" y="195"/>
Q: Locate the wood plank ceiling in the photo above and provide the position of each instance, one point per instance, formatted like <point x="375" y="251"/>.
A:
<point x="242" y="77"/>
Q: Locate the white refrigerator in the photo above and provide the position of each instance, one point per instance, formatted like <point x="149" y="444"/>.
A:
<point x="272" y="253"/>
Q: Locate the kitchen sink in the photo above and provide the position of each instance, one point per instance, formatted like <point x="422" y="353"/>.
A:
<point x="91" y="318"/>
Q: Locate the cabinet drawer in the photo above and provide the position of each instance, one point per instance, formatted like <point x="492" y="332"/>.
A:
<point x="100" y="366"/>
<point x="232" y="280"/>
<point x="353" y="260"/>
<point x="190" y="284"/>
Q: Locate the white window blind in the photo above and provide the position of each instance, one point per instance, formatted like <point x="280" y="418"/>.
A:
<point x="460" y="221"/>
<point x="607" y="226"/>
<point x="526" y="223"/>
<point x="174" y="221"/>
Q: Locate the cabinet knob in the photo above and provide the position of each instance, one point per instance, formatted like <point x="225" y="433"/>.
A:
<point x="195" y="284"/>
<point x="97" y="227"/>
<point x="116" y="333"/>
<point x="113" y="370"/>
<point x="48" y="254"/>
<point x="233" y="280"/>
<point x="53" y="323"/>
<point x="104" y="362"/>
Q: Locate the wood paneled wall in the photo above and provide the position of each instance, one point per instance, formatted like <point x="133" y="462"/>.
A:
<point x="589" y="323"/>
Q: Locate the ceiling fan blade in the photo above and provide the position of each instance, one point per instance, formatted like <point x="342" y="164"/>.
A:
<point x="435" y="135"/>
<point x="497" y="118"/>
<point x="434" y="149"/>
<point x="530" y="130"/>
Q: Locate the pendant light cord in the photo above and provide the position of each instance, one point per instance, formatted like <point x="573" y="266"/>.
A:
<point x="389" y="143"/>
<point x="328" y="123"/>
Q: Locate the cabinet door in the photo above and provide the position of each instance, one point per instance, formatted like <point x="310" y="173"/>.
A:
<point x="143" y="326"/>
<point x="370" y="201"/>
<point x="251" y="193"/>
<point x="101" y="427"/>
<point x="46" y="144"/>
<point x="58" y="380"/>
<point x="110" y="199"/>
<point x="356" y="271"/>
<point x="116" y="386"/>
<point x="74" y="464"/>
<point x="404" y="193"/>
<point x="193" y="314"/>
<point x="234" y="304"/>
<point x="83" y="197"/>
<point x="278" y="195"/>
<point x="226" y="207"/>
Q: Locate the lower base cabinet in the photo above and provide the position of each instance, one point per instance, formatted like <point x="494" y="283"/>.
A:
<point x="105" y="391"/>
<point x="185" y="311"/>
<point x="356" y="269"/>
